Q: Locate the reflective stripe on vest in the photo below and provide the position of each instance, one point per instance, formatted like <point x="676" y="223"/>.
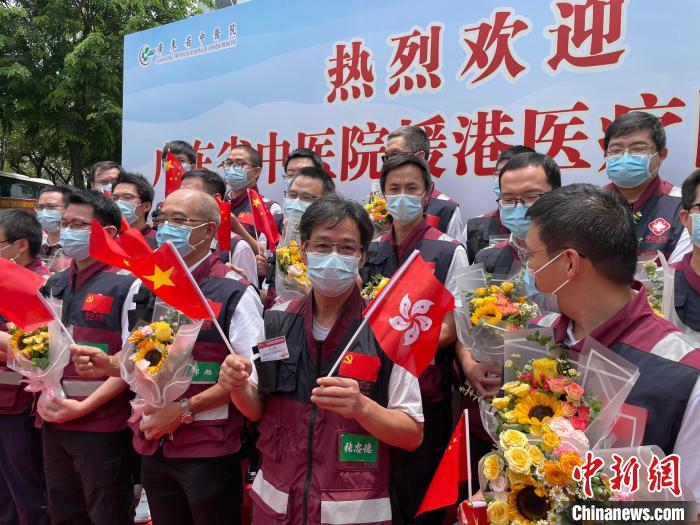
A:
<point x="213" y="414"/>
<point x="273" y="497"/>
<point x="355" y="511"/>
<point x="8" y="377"/>
<point x="80" y="388"/>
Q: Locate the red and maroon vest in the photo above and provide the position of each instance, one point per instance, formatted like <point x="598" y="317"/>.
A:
<point x="14" y="399"/>
<point x="499" y="259"/>
<point x="215" y="432"/>
<point x="384" y="257"/>
<point x="151" y="236"/>
<point x="686" y="293"/>
<point x="93" y="300"/>
<point x="442" y="207"/>
<point x="317" y="466"/>
<point x="480" y="230"/>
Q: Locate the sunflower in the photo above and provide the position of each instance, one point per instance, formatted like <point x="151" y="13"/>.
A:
<point x="527" y="506"/>
<point x="154" y="353"/>
<point x="536" y="409"/>
<point x="490" y="313"/>
<point x="16" y="341"/>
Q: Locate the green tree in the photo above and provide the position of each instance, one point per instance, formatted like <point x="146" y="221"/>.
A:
<point x="61" y="80"/>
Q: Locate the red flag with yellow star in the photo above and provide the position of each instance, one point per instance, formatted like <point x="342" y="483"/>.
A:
<point x="264" y="222"/>
<point x="223" y="236"/>
<point x="107" y="249"/>
<point x="173" y="173"/>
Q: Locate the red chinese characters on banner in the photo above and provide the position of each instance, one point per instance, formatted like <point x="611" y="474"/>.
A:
<point x="200" y="150"/>
<point x="434" y="128"/>
<point x="486" y="129"/>
<point x="625" y="474"/>
<point x="321" y="143"/>
<point x="228" y="145"/>
<point x="545" y="127"/>
<point x="665" y="474"/>
<point x="273" y="154"/>
<point x="697" y="144"/>
<point x="361" y="150"/>
<point x="591" y="465"/>
<point x="488" y="47"/>
<point x="350" y="72"/>
<point x="588" y="34"/>
<point x="415" y="64"/>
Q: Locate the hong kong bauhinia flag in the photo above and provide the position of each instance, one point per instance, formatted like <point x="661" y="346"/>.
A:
<point x="407" y="316"/>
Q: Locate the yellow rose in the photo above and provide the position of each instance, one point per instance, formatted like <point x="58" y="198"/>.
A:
<point x="512" y="438"/>
<point x="498" y="513"/>
<point x="162" y="332"/>
<point x="569" y="461"/>
<point x="518" y="460"/>
<point x="535" y="454"/>
<point x="492" y="466"/>
<point x="544" y="366"/>
<point x="500" y="403"/>
<point x="516" y="388"/>
<point x="550" y="440"/>
<point x="554" y="474"/>
<point x="511" y="416"/>
<point x="480" y="292"/>
<point x="506" y="286"/>
<point x="519" y="479"/>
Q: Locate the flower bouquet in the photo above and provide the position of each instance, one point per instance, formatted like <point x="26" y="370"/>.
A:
<point x="157" y="361"/>
<point x="291" y="280"/>
<point x="41" y="355"/>
<point x="375" y="285"/>
<point x="376" y="209"/>
<point x="491" y="307"/>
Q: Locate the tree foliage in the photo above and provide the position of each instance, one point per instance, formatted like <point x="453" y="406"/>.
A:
<point x="61" y="80"/>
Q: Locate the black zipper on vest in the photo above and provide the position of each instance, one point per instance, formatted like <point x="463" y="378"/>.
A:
<point x="310" y="443"/>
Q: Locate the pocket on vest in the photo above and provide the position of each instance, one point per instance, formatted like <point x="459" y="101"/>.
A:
<point x="270" y="499"/>
<point x="353" y="506"/>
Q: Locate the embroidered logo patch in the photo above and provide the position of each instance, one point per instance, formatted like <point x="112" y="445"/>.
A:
<point x="659" y="226"/>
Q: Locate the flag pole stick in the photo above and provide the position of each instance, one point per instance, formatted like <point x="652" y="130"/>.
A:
<point x="212" y="317"/>
<point x="56" y="317"/>
<point x="469" y="459"/>
<point x="394" y="279"/>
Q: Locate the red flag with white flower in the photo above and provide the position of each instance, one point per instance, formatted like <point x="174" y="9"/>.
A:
<point x="407" y="316"/>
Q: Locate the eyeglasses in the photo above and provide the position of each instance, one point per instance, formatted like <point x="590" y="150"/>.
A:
<point x="9" y="241"/>
<point x="176" y="221"/>
<point x="304" y="196"/>
<point x="696" y="205"/>
<point x="238" y="164"/>
<point x="387" y="157"/>
<point x="527" y="256"/>
<point x="53" y="207"/>
<point x="637" y="149"/>
<point x="74" y="225"/>
<point x="126" y="197"/>
<point x="508" y="203"/>
<point x="343" y="248"/>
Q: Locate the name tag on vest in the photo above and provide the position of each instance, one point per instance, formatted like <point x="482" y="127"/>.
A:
<point x="273" y="349"/>
<point x="98" y="303"/>
<point x="358" y="448"/>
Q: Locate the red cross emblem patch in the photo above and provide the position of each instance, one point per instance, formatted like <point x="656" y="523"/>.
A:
<point x="659" y="226"/>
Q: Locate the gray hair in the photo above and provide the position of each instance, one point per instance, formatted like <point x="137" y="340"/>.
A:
<point x="207" y="208"/>
<point x="414" y="137"/>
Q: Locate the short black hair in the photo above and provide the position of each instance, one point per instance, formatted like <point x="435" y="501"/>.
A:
<point x="525" y="160"/>
<point x="104" y="209"/>
<point x="63" y="190"/>
<point x="401" y="159"/>
<point x="102" y="166"/>
<point x="595" y="222"/>
<point x="143" y="187"/>
<point x="213" y="182"/>
<point x="512" y="151"/>
<point x="689" y="189"/>
<point x="180" y="147"/>
<point x="332" y="209"/>
<point x="319" y="174"/>
<point x="636" y="121"/>
<point x="415" y="138"/>
<point x="22" y="224"/>
<point x="255" y="158"/>
<point x="304" y="153"/>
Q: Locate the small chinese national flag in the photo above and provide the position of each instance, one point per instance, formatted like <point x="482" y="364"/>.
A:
<point x="106" y="249"/>
<point x="407" y="316"/>
<point x="264" y="222"/>
<point x="19" y="297"/>
<point x="173" y="173"/>
<point x="360" y="366"/>
<point x="453" y="469"/>
<point x="223" y="236"/>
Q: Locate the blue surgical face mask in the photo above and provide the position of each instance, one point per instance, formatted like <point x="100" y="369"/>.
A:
<point x="75" y="243"/>
<point x="546" y="301"/>
<point x="128" y="210"/>
<point x="515" y="220"/>
<point x="297" y="206"/>
<point x="186" y="166"/>
<point x="628" y="171"/>
<point x="404" y="208"/>
<point x="179" y="236"/>
<point x="288" y="183"/>
<point x="695" y="224"/>
<point x="496" y="186"/>
<point x="49" y="219"/>
<point x="236" y="178"/>
<point x="331" y="274"/>
<point x="105" y="187"/>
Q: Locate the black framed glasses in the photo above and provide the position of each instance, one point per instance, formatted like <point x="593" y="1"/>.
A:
<point x="511" y="202"/>
<point x="238" y="164"/>
<point x="75" y="225"/>
<point x="304" y="196"/>
<point x="325" y="248"/>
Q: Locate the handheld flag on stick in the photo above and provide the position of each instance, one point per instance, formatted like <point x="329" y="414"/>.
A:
<point x="262" y="218"/>
<point x="20" y="300"/>
<point x="173" y="173"/>
<point x="223" y="236"/>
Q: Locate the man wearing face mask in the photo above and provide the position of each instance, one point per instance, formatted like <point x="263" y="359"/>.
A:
<point x="85" y="439"/>
<point x="687" y="275"/>
<point x="635" y="148"/>
<point x="481" y="230"/>
<point x="523" y="180"/>
<point x="134" y="197"/>
<point x="297" y="159"/>
<point x="22" y="486"/>
<point x="103" y="174"/>
<point x="441" y="211"/>
<point x="183" y="152"/>
<point x="49" y="208"/>
<point x="405" y="182"/>
<point x="582" y="249"/>
<point x="307" y="420"/>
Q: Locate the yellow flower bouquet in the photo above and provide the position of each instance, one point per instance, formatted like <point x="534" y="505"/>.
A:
<point x="33" y="346"/>
<point x="376" y="209"/>
<point x="374" y="286"/>
<point x="291" y="280"/>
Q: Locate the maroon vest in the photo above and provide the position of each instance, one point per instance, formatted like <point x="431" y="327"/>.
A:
<point x="216" y="432"/>
<point x="93" y="300"/>
<point x="442" y="208"/>
<point x="481" y="229"/>
<point x="151" y="236"/>
<point x="308" y="474"/>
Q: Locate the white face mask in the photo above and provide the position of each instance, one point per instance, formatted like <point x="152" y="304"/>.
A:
<point x="332" y="274"/>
